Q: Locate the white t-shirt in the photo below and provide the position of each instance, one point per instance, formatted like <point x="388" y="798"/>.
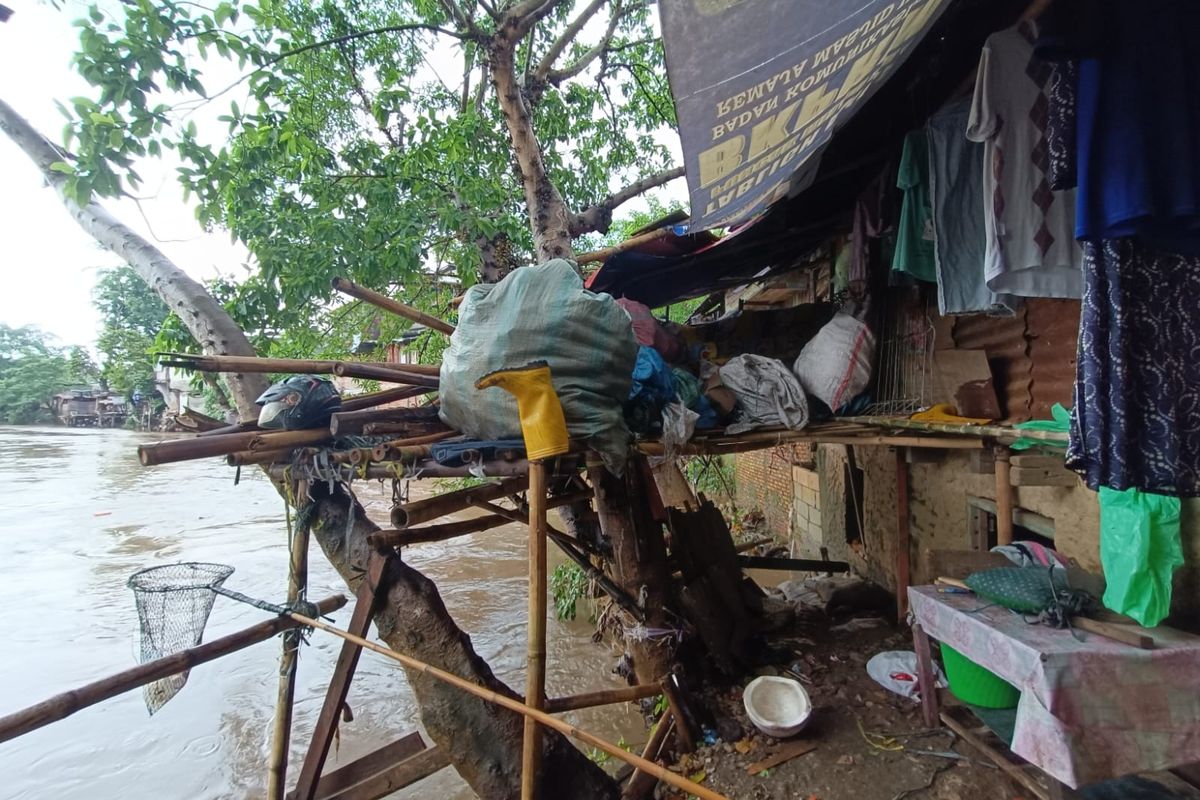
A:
<point x="1031" y="247"/>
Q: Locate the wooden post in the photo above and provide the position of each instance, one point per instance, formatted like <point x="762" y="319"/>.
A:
<point x="925" y="679"/>
<point x="388" y="304"/>
<point x="297" y="582"/>
<point x="641" y="783"/>
<point x="343" y="673"/>
<point x="535" y="669"/>
<point x="67" y="703"/>
<point x="1004" y="497"/>
<point x="903" y="541"/>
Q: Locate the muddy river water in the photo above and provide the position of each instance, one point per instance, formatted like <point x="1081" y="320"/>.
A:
<point x="79" y="514"/>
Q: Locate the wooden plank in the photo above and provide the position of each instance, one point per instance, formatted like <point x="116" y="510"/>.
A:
<point x="367" y="766"/>
<point x="1037" y="461"/>
<point x="673" y="487"/>
<point x="1010" y="769"/>
<point x="786" y="752"/>
<point x="339" y="684"/>
<point x="1130" y="635"/>
<point x="1004" y="497"/>
<point x="406" y="773"/>
<point x="1038" y="476"/>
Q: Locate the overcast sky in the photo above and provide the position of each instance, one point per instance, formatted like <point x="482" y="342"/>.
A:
<point x="48" y="263"/>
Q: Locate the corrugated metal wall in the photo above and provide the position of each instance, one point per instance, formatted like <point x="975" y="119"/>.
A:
<point x="1032" y="355"/>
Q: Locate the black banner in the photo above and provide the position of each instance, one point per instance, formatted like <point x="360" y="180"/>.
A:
<point x="761" y="85"/>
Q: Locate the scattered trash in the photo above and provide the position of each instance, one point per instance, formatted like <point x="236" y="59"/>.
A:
<point x="779" y="707"/>
<point x="896" y="671"/>
<point x="859" y="624"/>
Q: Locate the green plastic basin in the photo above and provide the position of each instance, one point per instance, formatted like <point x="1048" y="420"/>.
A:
<point x="973" y="684"/>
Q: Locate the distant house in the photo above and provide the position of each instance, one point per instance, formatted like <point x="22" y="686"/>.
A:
<point x="89" y="407"/>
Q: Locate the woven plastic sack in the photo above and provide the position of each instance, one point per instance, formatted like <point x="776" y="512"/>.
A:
<point x="1139" y="549"/>
<point x="767" y="393"/>
<point x="835" y="365"/>
<point x="541" y="313"/>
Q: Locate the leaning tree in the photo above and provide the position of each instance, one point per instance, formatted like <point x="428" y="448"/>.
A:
<point x="352" y="149"/>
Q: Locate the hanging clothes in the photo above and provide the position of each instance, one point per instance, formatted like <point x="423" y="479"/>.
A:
<point x="874" y="218"/>
<point x="1136" y="421"/>
<point x="914" y="232"/>
<point x="1031" y="249"/>
<point x="1138" y="125"/>
<point x="956" y="195"/>
<point x="1060" y="128"/>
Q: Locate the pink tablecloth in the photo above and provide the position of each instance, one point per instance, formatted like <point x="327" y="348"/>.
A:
<point x="1089" y="710"/>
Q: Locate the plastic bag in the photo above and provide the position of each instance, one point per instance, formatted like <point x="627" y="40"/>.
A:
<point x="896" y="671"/>
<point x="1139" y="549"/>
<point x="542" y="313"/>
<point x="1060" y="424"/>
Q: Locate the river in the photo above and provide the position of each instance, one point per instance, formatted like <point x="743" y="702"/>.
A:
<point x="80" y="514"/>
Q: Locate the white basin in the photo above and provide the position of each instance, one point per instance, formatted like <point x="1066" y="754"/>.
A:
<point x="778" y="707"/>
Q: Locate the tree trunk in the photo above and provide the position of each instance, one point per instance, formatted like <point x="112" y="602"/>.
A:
<point x="639" y="560"/>
<point x="202" y="315"/>
<point x="548" y="214"/>
<point x="482" y="741"/>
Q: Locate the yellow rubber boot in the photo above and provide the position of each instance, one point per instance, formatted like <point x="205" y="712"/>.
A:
<point x="542" y="421"/>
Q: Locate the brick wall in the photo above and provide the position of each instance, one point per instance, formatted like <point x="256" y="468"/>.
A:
<point x="764" y="483"/>
<point x="806" y="507"/>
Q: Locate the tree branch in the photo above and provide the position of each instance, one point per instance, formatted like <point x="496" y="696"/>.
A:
<point x="599" y="216"/>
<point x="524" y="15"/>
<point x="564" y="41"/>
<point x="556" y="77"/>
<point x="459" y="16"/>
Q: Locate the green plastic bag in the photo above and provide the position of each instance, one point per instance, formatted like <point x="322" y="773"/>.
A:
<point x="1139" y="548"/>
<point x="1060" y="424"/>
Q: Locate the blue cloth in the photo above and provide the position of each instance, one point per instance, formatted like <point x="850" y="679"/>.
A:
<point x="458" y="454"/>
<point x="956" y="190"/>
<point x="1138" y="124"/>
<point x="1136" y="421"/>
<point x="653" y="387"/>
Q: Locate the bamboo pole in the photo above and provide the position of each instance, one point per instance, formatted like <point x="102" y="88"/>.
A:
<point x="245" y="458"/>
<point x="67" y="703"/>
<point x="351" y="288"/>
<point x="428" y="468"/>
<point x="604" y="697"/>
<point x="297" y="583"/>
<point x="208" y="446"/>
<point x="640" y="783"/>
<point x="383" y="372"/>
<point x="535" y="664"/>
<point x="731" y="445"/>
<point x="1004" y="497"/>
<point x="1000" y="433"/>
<point x="436" y="533"/>
<point x="352" y="422"/>
<point x="371" y="399"/>
<point x="419" y="511"/>
<point x="628" y="244"/>
<point x="296" y="366"/>
<point x="509" y="703"/>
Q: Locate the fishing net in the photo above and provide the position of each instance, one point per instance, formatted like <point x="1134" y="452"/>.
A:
<point x="173" y="604"/>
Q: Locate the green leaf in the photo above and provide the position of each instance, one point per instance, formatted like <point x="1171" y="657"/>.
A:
<point x="63" y="167"/>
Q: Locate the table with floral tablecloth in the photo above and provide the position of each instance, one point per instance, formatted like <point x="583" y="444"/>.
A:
<point x="1091" y="708"/>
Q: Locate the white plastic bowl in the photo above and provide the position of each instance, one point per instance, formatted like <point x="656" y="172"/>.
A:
<point x="778" y="707"/>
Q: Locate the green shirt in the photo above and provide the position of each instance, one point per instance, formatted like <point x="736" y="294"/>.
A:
<point x="914" y="234"/>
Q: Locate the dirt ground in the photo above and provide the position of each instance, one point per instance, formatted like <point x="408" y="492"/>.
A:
<point x="869" y="742"/>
